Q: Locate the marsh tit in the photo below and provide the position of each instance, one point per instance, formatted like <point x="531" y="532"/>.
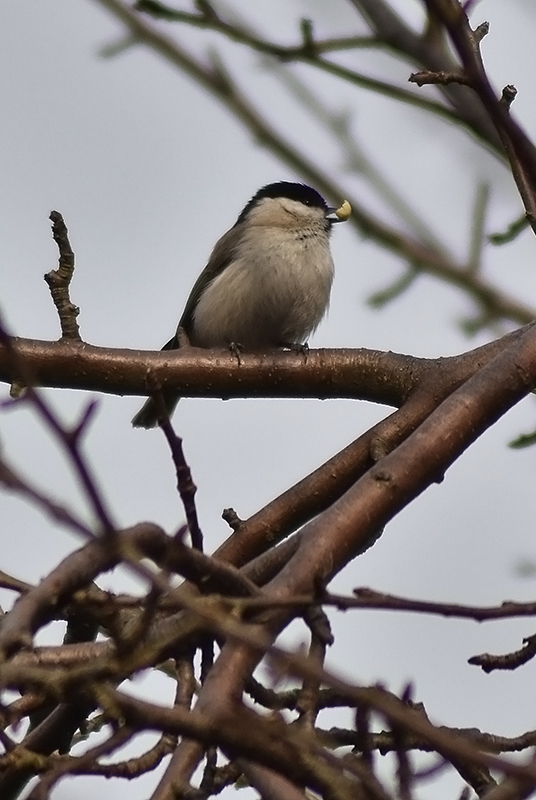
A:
<point x="267" y="282"/>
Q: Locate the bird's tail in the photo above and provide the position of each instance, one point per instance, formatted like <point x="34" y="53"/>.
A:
<point x="148" y="416"/>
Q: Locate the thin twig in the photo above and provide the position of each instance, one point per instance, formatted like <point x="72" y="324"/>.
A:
<point x="511" y="661"/>
<point x="185" y="484"/>
<point x="59" y="280"/>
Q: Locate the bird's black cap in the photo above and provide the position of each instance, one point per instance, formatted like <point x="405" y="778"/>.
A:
<point x="294" y="191"/>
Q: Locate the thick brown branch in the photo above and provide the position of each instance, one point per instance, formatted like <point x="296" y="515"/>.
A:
<point x="327" y="543"/>
<point x="387" y="378"/>
<point x="325" y="485"/>
<point x="360" y="374"/>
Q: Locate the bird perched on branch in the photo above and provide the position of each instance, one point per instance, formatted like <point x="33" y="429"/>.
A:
<point x="267" y="282"/>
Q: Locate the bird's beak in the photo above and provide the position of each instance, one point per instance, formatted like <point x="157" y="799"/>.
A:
<point x="342" y="213"/>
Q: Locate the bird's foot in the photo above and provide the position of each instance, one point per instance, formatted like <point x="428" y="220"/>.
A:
<point x="236" y="348"/>
<point x="296" y="347"/>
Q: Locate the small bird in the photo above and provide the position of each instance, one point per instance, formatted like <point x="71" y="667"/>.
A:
<point x="267" y="282"/>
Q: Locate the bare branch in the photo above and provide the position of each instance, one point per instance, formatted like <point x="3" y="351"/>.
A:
<point x="59" y="280"/>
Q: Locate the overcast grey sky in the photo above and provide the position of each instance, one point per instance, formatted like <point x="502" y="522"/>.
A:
<point x="148" y="173"/>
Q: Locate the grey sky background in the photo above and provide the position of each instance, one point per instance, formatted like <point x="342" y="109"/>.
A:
<point x="148" y="172"/>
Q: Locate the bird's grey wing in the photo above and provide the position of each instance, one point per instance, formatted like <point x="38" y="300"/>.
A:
<point x="223" y="253"/>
